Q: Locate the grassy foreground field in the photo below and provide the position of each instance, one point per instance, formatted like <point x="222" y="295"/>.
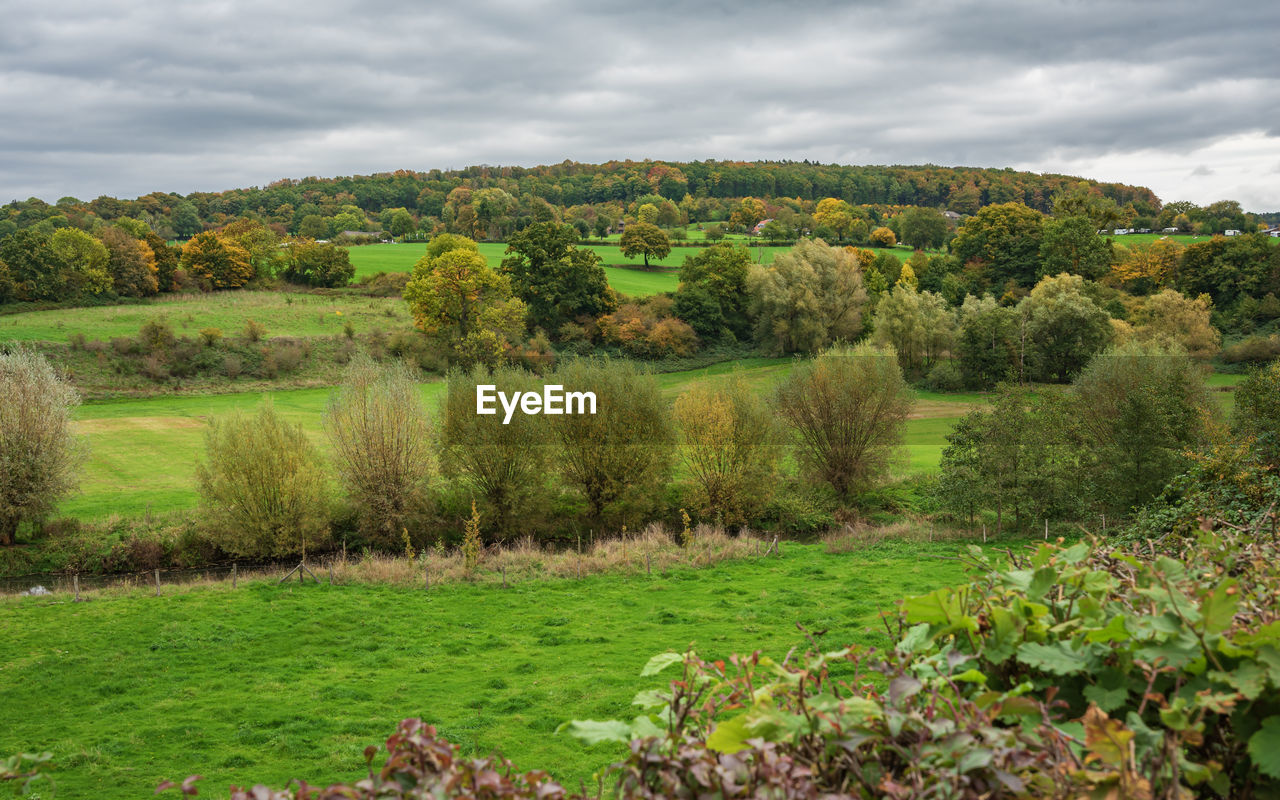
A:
<point x="268" y="683"/>
<point x="143" y="452"/>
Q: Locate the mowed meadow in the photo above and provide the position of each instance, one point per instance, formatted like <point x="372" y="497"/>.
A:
<point x="627" y="275"/>
<point x="267" y="683"/>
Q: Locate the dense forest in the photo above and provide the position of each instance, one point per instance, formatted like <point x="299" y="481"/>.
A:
<point x="499" y="199"/>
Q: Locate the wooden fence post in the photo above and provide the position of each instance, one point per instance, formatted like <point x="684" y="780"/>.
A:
<point x="234" y="576"/>
<point x="157" y="583"/>
<point x="75" y="581"/>
<point x="648" y="568"/>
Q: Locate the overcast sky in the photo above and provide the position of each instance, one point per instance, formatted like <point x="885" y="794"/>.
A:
<point x="127" y="97"/>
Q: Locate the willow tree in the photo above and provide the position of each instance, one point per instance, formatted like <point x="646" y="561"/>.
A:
<point x="809" y="298"/>
<point x="846" y="410"/>
<point x="38" y="454"/>
<point x="380" y="434"/>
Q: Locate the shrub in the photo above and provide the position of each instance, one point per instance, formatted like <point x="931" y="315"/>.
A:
<point x="232" y="366"/>
<point x="945" y="377"/>
<point x="731" y="446"/>
<point x="381" y="443"/>
<point x="38" y="454"/>
<point x="386" y="284"/>
<point x="262" y="485"/>
<point x="254" y="331"/>
<point x="1254" y="350"/>
<point x="288" y="356"/>
<point x="846" y="410"/>
<point x="210" y="336"/>
<point x="318" y="264"/>
<point x="124" y="346"/>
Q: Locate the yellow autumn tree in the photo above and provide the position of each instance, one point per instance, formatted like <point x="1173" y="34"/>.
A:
<point x="1147" y="266"/>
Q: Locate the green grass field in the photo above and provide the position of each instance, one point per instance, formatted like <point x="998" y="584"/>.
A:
<point x="143" y="453"/>
<point x="283" y="313"/>
<point x="268" y="683"/>
<point x="374" y="258"/>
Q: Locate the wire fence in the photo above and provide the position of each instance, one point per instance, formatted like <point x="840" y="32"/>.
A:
<point x="650" y="552"/>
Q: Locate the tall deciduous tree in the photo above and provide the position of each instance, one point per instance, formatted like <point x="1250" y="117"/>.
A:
<point x="1141" y="408"/>
<point x="643" y="239"/>
<point x="712" y="295"/>
<point x="458" y="299"/>
<point x="1171" y="318"/>
<point x="987" y="345"/>
<point x="1072" y="244"/>
<point x="38" y="454"/>
<point x="557" y="281"/>
<point x="1017" y="457"/>
<point x="85" y="260"/>
<point x="215" y="262"/>
<point x="917" y="325"/>
<point x="1003" y="241"/>
<point x="846" y="409"/>
<point x="132" y="264"/>
<point x="923" y="228"/>
<point x="809" y="297"/>
<point x="1063" y="328"/>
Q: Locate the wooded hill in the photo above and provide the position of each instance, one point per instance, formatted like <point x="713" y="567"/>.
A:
<point x="544" y="192"/>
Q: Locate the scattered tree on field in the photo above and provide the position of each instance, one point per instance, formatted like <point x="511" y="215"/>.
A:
<point x="318" y="264"/>
<point x="883" y="237"/>
<point x="643" y="239"/>
<point x="923" y="228"/>
<point x="456" y="298"/>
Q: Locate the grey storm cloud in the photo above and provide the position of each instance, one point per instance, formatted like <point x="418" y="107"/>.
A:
<point x="135" y="96"/>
